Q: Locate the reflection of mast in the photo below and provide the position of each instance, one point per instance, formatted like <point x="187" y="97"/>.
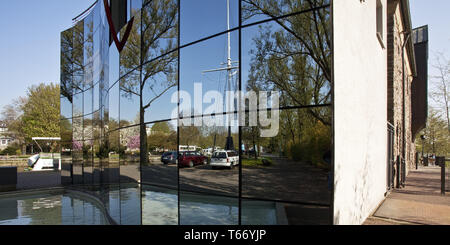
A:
<point x="229" y="145"/>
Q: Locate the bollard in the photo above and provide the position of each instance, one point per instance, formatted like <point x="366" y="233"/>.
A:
<point x="440" y="161"/>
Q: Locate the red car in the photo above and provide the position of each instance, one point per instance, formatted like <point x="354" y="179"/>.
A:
<point x="191" y="158"/>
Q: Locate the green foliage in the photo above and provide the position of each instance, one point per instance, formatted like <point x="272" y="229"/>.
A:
<point x="161" y="127"/>
<point x="260" y="162"/>
<point x="41" y="112"/>
<point x="313" y="146"/>
<point x="103" y="151"/>
<point x="437" y="137"/>
<point x="11" y="150"/>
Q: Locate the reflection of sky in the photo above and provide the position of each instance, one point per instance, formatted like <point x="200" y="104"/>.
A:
<point x="195" y="23"/>
<point x="196" y="209"/>
<point x="159" y="207"/>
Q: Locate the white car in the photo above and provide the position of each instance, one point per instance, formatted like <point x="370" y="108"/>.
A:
<point x="223" y="158"/>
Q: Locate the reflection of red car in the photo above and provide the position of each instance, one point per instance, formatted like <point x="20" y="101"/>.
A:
<point x="191" y="158"/>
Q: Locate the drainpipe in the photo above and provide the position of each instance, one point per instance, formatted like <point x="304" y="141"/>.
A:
<point x="408" y="35"/>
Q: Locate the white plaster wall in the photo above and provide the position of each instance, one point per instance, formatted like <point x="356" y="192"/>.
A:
<point x="360" y="107"/>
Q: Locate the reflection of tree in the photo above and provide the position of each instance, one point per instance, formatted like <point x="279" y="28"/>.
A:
<point x="66" y="64"/>
<point x="205" y="137"/>
<point x="162" y="137"/>
<point x="77" y="58"/>
<point x="189" y="135"/>
<point x="296" y="58"/>
<point x="154" y="34"/>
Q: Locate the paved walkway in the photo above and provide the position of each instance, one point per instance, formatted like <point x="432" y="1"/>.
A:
<point x="419" y="203"/>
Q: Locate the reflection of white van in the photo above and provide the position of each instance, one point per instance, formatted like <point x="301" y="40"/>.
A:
<point x="209" y="151"/>
<point x="188" y="148"/>
<point x="224" y="159"/>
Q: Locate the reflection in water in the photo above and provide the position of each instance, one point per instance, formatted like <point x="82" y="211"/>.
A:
<point x="130" y="206"/>
<point x="63" y="209"/>
<point x="208" y="210"/>
<point x="159" y="206"/>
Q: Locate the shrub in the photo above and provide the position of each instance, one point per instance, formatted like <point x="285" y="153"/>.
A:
<point x="314" y="143"/>
<point x="11" y="150"/>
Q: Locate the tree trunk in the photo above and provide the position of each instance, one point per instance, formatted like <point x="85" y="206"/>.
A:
<point x="143" y="139"/>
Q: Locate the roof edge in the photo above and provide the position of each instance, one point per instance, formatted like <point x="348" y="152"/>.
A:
<point x="406" y="13"/>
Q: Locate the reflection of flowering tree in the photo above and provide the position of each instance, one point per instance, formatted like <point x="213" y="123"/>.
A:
<point x="134" y="142"/>
<point x="77" y="145"/>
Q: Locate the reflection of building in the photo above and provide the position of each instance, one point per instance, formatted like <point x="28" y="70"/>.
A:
<point x="334" y="107"/>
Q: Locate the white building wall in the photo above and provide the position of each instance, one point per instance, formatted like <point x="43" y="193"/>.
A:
<point x="360" y="107"/>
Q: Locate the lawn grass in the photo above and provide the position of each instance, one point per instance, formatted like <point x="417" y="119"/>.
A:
<point x="252" y="162"/>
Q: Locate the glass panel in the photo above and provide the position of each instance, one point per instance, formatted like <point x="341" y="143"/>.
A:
<point x="257" y="10"/>
<point x="96" y="161"/>
<point x="130" y="155"/>
<point x="104" y="113"/>
<point x="66" y="150"/>
<point x="111" y="173"/>
<point x="113" y="66"/>
<point x="197" y="24"/>
<point x="204" y="72"/>
<point x="77" y="104"/>
<point x="289" y="160"/>
<point x="66" y="86"/>
<point x="88" y="162"/>
<point x="161" y="169"/>
<point x="130" y="100"/>
<point x="66" y="106"/>
<point x="97" y="67"/>
<point x="78" y="118"/>
<point x="114" y="101"/>
<point x="77" y="168"/>
<point x="96" y="97"/>
<point x="88" y="52"/>
<point x="160" y="28"/>
<point x="297" y="64"/>
<point x="130" y="57"/>
<point x="78" y="57"/>
<point x="135" y="6"/>
<point x="95" y="12"/>
<point x="88" y="128"/>
<point x="160" y="80"/>
<point x="88" y="99"/>
<point x="96" y="123"/>
<point x="209" y="172"/>
<point x="66" y="162"/>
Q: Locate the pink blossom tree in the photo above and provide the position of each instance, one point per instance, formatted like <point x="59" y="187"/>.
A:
<point x="134" y="142"/>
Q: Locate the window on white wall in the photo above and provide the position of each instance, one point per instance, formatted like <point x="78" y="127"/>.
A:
<point x="380" y="22"/>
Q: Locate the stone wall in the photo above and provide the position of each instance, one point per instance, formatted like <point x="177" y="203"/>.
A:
<point x="399" y="69"/>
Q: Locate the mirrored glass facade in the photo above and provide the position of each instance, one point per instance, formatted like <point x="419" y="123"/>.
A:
<point x="132" y="76"/>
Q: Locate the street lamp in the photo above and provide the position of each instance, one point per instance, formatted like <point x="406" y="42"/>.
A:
<point x="422" y="137"/>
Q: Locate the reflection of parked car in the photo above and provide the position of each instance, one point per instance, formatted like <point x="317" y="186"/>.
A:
<point x="169" y="157"/>
<point x="191" y="158"/>
<point x="209" y="151"/>
<point x="224" y="159"/>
